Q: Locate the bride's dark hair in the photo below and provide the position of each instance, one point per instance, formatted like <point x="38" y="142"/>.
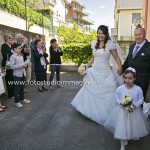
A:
<point x="104" y="29"/>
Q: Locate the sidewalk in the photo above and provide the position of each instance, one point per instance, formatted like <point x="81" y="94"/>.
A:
<point x="49" y="122"/>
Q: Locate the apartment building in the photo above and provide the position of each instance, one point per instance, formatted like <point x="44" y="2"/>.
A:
<point x="66" y="12"/>
<point x="146" y="17"/>
<point x="58" y="8"/>
<point x="76" y="11"/>
<point x="126" y="13"/>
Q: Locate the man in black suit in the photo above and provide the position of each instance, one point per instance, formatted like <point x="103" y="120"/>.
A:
<point x="139" y="58"/>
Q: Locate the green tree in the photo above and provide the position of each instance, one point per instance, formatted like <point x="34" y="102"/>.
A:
<point x="74" y="35"/>
<point x="76" y="43"/>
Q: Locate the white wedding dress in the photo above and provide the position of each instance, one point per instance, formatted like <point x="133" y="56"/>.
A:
<point x="125" y="125"/>
<point x="95" y="99"/>
<point x="2" y="89"/>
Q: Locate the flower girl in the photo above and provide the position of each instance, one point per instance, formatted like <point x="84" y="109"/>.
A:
<point x="127" y="121"/>
<point x="2" y="90"/>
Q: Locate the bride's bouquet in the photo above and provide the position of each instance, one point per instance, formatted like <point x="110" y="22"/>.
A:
<point x="126" y="102"/>
<point x="82" y="69"/>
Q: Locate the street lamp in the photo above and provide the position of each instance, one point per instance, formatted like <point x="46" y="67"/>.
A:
<point x="139" y="21"/>
<point x="26" y="16"/>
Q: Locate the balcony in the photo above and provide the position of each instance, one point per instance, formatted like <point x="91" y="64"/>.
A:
<point x="79" y="11"/>
<point x="126" y="38"/>
<point x="83" y="20"/>
<point x="51" y="2"/>
<point x="86" y="21"/>
<point x="77" y="3"/>
<point x="68" y="3"/>
<point x="129" y="4"/>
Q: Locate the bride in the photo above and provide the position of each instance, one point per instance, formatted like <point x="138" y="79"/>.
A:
<point x="95" y="100"/>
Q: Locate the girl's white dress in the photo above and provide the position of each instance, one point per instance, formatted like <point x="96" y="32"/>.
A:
<point x="2" y="89"/>
<point x="125" y="125"/>
<point x="95" y="98"/>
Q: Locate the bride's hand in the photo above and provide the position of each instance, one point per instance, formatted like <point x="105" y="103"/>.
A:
<point x="88" y="67"/>
<point x="119" y="71"/>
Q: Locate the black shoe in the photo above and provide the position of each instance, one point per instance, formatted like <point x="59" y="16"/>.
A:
<point x="44" y="89"/>
<point x="40" y="90"/>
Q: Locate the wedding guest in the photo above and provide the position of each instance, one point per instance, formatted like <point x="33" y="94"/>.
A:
<point x="40" y="65"/>
<point x="26" y="53"/>
<point x="19" y="74"/>
<point x="2" y="90"/>
<point x="139" y="58"/>
<point x="32" y="46"/>
<point x="55" y="62"/>
<point x="7" y="51"/>
<point x="128" y="122"/>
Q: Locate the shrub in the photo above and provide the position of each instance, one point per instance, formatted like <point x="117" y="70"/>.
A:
<point x="17" y="8"/>
<point x="77" y="53"/>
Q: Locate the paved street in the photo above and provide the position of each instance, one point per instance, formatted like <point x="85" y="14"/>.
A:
<point x="50" y="123"/>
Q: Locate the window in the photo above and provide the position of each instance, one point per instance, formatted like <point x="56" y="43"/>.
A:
<point x="54" y="1"/>
<point x="136" y="17"/>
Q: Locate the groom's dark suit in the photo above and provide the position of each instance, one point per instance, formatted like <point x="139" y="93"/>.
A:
<point x="141" y="63"/>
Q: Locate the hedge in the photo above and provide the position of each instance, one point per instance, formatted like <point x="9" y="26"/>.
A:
<point x="17" y="8"/>
<point x="77" y="53"/>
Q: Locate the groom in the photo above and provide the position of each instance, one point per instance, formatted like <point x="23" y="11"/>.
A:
<point x="139" y="58"/>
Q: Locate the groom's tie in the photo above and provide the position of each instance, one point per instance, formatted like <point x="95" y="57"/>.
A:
<point x="135" y="51"/>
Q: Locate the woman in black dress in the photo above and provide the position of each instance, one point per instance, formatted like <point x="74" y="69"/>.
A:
<point x="7" y="51"/>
